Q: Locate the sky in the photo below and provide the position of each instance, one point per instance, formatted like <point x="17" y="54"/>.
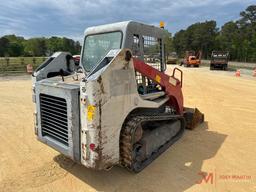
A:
<point x="69" y="18"/>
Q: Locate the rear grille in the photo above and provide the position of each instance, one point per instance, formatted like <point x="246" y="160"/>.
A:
<point x="54" y="121"/>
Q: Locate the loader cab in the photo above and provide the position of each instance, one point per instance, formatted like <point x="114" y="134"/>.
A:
<point x="145" y="42"/>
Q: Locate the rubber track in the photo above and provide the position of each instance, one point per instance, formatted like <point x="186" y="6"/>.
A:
<point x="127" y="140"/>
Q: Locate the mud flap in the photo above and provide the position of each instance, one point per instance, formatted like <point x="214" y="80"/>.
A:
<point x="193" y="117"/>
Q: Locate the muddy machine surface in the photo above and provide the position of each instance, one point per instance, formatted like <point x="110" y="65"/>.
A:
<point x="117" y="107"/>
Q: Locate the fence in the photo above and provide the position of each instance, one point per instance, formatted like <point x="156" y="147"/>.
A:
<point x="18" y="64"/>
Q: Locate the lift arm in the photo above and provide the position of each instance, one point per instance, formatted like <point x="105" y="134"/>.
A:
<point x="170" y="84"/>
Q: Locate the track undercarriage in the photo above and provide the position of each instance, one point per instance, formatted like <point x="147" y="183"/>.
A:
<point x="145" y="137"/>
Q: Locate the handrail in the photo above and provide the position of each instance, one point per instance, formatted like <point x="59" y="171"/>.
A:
<point x="181" y="75"/>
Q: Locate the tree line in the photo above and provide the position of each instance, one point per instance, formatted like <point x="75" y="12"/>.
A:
<point x="237" y="37"/>
<point x="14" y="46"/>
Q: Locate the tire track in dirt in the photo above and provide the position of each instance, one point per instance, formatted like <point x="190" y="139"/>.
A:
<point x="46" y="174"/>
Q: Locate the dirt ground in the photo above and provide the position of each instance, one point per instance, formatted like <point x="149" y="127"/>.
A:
<point x="223" y="149"/>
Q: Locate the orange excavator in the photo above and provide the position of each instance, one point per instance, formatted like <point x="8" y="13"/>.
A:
<point x="192" y="59"/>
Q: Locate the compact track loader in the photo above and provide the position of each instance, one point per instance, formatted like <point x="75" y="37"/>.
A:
<point x="115" y="107"/>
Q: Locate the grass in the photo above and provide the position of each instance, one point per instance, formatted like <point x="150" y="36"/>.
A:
<point x="234" y="65"/>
